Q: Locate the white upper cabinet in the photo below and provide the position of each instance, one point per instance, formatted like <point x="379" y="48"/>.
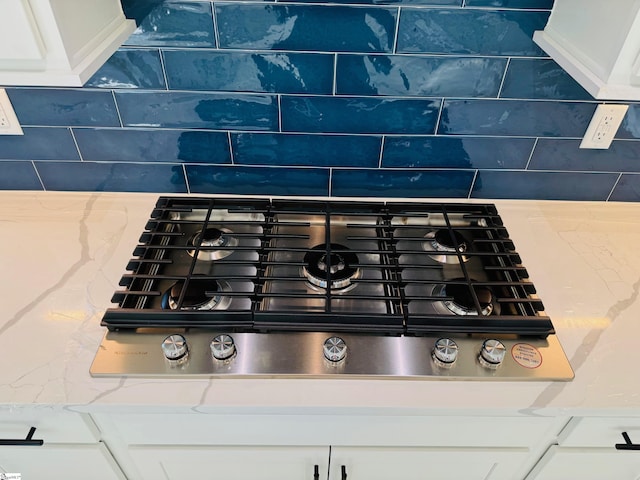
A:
<point x="598" y="43"/>
<point x="58" y="42"/>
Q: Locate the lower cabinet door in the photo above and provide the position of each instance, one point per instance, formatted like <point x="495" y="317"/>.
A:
<point x="433" y="463"/>
<point x="230" y="463"/>
<point x="587" y="463"/>
<point x="63" y="461"/>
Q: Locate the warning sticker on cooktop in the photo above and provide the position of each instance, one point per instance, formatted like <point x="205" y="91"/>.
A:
<point x="526" y="355"/>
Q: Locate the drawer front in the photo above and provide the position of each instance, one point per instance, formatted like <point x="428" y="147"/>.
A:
<point x="232" y="463"/>
<point x="562" y="463"/>
<point x="353" y="430"/>
<point x="53" y="425"/>
<point x="599" y="431"/>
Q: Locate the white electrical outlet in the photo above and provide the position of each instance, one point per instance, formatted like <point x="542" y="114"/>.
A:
<point x="9" y="124"/>
<point x="604" y="125"/>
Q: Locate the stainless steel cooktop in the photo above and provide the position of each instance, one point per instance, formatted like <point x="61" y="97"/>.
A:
<point x="253" y="288"/>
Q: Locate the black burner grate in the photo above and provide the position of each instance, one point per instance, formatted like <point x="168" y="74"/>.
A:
<point x="384" y="273"/>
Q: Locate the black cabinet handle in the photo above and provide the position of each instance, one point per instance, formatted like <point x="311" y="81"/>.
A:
<point x="627" y="445"/>
<point x="316" y="472"/>
<point x="344" y="473"/>
<point x="27" y="442"/>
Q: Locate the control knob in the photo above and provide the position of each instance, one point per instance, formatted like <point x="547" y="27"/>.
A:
<point x="223" y="347"/>
<point x="335" y="349"/>
<point x="492" y="353"/>
<point x="445" y="352"/>
<point x="175" y="349"/>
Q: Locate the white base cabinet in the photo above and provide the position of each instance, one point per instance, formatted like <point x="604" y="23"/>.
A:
<point x="71" y="447"/>
<point x="586" y="451"/>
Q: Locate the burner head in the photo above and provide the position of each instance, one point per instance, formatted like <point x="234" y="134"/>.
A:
<point x="212" y="242"/>
<point x="462" y="300"/>
<point x="337" y="266"/>
<point x="444" y="240"/>
<point x="201" y="294"/>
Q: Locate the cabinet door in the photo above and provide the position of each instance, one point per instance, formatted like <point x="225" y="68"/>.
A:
<point x="584" y="463"/>
<point x="64" y="461"/>
<point x="411" y="463"/>
<point x="231" y="463"/>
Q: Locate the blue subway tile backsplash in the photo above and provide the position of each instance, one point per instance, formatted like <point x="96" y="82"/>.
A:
<point x="326" y="28"/>
<point x="275" y="72"/>
<point x="354" y="98"/>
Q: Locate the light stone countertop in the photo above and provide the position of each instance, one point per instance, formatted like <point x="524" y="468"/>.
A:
<point x="62" y="255"/>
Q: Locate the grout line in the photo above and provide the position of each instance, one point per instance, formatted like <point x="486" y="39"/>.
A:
<point x="381" y="150"/>
<point x="73" y="136"/>
<point x="473" y="183"/>
<point x="279" y="97"/>
<point x="435" y="132"/>
<point x="396" y="33"/>
<point x="330" y="179"/>
<point x="533" y="149"/>
<point x="164" y="70"/>
<point x="504" y="76"/>
<point x="33" y="164"/>
<point x="186" y="178"/>
<point x="335" y="74"/>
<point x="614" y="187"/>
<point x="113" y="94"/>
<point x="214" y="19"/>
<point x="230" y="148"/>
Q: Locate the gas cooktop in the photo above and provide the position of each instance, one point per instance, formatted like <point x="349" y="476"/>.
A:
<point x="245" y="288"/>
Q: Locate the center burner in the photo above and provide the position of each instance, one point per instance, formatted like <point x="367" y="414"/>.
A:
<point x="212" y="242"/>
<point x="335" y="264"/>
<point x="201" y="294"/>
<point x="448" y="243"/>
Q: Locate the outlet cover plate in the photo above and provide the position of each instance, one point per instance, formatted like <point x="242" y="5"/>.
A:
<point x="603" y="127"/>
<point x="9" y="124"/>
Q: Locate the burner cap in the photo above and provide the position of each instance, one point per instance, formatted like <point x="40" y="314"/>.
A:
<point x="212" y="241"/>
<point x="462" y="301"/>
<point x="448" y="241"/>
<point x="201" y="294"/>
<point x="337" y="266"/>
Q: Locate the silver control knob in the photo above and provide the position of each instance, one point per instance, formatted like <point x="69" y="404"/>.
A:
<point x="445" y="352"/>
<point x="223" y="347"/>
<point x="335" y="349"/>
<point x="175" y="348"/>
<point x="492" y="353"/>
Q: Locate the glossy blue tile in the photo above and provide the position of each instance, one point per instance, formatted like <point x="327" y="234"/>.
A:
<point x="516" y="4"/>
<point x="359" y="115"/>
<point x="112" y="177"/>
<point x="249" y="72"/>
<point x="329" y="28"/>
<point x="413" y="75"/>
<point x="39" y="144"/>
<point x="540" y="78"/>
<point x="258" y="180"/>
<point x="515" y="118"/>
<point x="529" y="185"/>
<point x="630" y="127"/>
<point x="18" y="176"/>
<point x="153" y="145"/>
<point x="469" y="31"/>
<point x="313" y="150"/>
<point x="456" y="152"/>
<point x="64" y="107"/>
<point x="401" y="183"/>
<point x="130" y="68"/>
<point x="424" y="3"/>
<point x="170" y="24"/>
<point x="198" y="110"/>
<point x="627" y="189"/>
<point x="564" y="154"/>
